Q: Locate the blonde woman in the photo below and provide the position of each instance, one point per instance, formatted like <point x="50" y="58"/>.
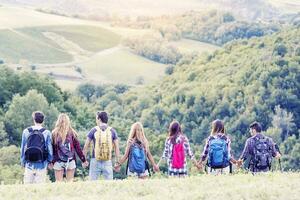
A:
<point x="65" y="143"/>
<point x="217" y="150"/>
<point x="137" y="152"/>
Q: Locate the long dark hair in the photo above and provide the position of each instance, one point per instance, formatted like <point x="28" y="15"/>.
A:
<point x="217" y="127"/>
<point x="174" y="131"/>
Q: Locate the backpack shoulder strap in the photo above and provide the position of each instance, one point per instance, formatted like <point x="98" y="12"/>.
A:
<point x="30" y="129"/>
<point x="97" y="128"/>
<point x="42" y="130"/>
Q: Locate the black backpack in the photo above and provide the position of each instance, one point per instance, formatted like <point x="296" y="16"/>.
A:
<point x="262" y="157"/>
<point x="36" y="150"/>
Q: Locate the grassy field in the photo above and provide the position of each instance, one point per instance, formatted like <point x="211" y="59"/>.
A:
<point x="241" y="186"/>
<point x="187" y="46"/>
<point x="31" y="43"/>
<point x="56" y="44"/>
<point x="119" y="65"/>
<point x="287" y="5"/>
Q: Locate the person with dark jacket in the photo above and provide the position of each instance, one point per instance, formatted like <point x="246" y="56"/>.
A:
<point x="65" y="144"/>
<point x="259" y="150"/>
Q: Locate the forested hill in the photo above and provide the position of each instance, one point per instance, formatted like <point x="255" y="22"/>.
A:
<point x="256" y="79"/>
<point x="246" y="80"/>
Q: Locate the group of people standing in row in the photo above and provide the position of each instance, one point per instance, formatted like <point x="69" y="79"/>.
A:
<point x="41" y="149"/>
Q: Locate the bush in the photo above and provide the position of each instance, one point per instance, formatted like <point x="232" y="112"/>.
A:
<point x="169" y="70"/>
<point x="280" y="50"/>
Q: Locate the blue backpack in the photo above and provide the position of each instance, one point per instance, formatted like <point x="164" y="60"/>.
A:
<point x="137" y="159"/>
<point x="218" y="156"/>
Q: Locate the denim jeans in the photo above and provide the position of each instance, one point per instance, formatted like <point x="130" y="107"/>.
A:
<point x="98" y="167"/>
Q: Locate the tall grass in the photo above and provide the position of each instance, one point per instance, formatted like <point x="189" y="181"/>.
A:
<point x="240" y="186"/>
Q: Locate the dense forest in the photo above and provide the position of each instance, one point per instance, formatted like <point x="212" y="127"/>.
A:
<point x="214" y="27"/>
<point x="246" y="80"/>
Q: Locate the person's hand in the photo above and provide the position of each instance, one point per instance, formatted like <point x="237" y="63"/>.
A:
<point x="50" y="166"/>
<point x="130" y="141"/>
<point x="156" y="168"/>
<point x="239" y="163"/>
<point x="199" y="166"/>
<point x="85" y="164"/>
<point x="278" y="155"/>
<point x="117" y="167"/>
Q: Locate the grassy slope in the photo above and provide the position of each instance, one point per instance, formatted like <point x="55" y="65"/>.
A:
<point x="267" y="186"/>
<point x="122" y="66"/>
<point x="15" y="47"/>
<point x="187" y="46"/>
<point x="286" y="5"/>
<point x="30" y="43"/>
<point x="90" y="38"/>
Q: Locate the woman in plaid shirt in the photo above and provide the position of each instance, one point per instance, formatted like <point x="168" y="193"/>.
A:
<point x="177" y="137"/>
<point x="218" y="131"/>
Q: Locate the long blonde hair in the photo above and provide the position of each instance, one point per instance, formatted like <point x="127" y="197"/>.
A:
<point x="137" y="133"/>
<point x="62" y="128"/>
<point x="217" y="127"/>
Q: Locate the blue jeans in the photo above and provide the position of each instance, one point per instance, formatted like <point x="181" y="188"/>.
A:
<point x="98" y="167"/>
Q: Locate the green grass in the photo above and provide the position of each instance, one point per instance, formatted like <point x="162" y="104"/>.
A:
<point x="122" y="66"/>
<point x="241" y="186"/>
<point x="187" y="46"/>
<point x="90" y="38"/>
<point x="16" y="47"/>
<point x="30" y="44"/>
<point x="287" y="5"/>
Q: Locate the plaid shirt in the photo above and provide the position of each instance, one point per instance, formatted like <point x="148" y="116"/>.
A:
<point x="248" y="151"/>
<point x="167" y="155"/>
<point x="206" y="148"/>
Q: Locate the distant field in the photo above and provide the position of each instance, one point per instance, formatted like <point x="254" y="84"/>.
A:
<point x="56" y="44"/>
<point x="187" y="46"/>
<point x="90" y="38"/>
<point x="31" y="44"/>
<point x="203" y="187"/>
<point x="119" y="65"/>
<point x="287" y="5"/>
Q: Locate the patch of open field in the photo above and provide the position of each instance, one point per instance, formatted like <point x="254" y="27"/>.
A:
<point x="187" y="46"/>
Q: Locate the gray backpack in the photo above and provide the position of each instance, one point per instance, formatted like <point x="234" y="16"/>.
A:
<point x="262" y="157"/>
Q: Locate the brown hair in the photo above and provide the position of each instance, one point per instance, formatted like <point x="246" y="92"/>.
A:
<point x="174" y="131"/>
<point x="217" y="127"/>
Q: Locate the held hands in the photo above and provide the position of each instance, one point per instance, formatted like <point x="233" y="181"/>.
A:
<point x="239" y="163"/>
<point x="117" y="167"/>
<point x="85" y="164"/>
<point x="155" y="168"/>
<point x="278" y="155"/>
<point x="199" y="166"/>
<point x="50" y="166"/>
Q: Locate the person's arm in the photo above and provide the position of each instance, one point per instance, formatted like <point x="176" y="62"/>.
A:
<point x="205" y="152"/>
<point x="89" y="138"/>
<point x="275" y="152"/>
<point x="23" y="143"/>
<point x="189" y="152"/>
<point x="115" y="144"/>
<point x="86" y="146"/>
<point x="165" y="154"/>
<point x="116" y="149"/>
<point x="231" y="158"/>
<point x="150" y="157"/>
<point x="78" y="149"/>
<point x="49" y="147"/>
<point x="246" y="151"/>
<point x="125" y="157"/>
